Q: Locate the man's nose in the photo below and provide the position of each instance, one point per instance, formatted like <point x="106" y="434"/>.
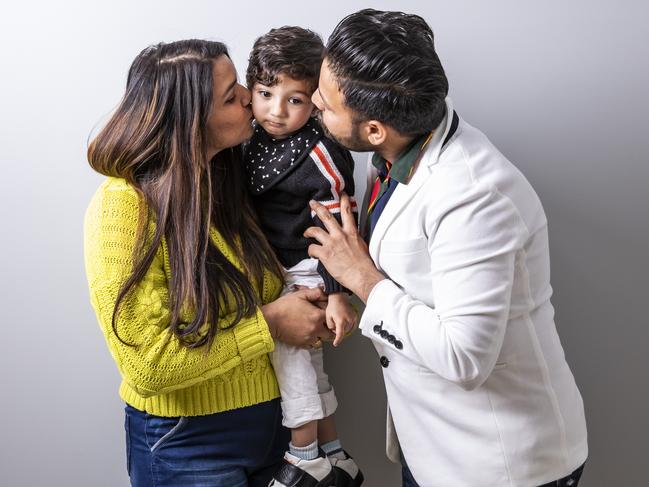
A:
<point x="317" y="101"/>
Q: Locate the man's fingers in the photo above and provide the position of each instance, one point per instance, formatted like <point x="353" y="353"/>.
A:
<point x="325" y="216"/>
<point x="346" y="215"/>
<point x="315" y="251"/>
<point x="317" y="233"/>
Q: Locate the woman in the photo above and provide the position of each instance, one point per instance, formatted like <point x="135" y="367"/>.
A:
<point x="183" y="283"/>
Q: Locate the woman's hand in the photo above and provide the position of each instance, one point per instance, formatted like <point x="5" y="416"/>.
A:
<point x="298" y="318"/>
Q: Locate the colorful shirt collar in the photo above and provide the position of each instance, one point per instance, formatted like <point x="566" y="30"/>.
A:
<point x="401" y="169"/>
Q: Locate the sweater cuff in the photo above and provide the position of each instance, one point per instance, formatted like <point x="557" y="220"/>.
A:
<point x="253" y="337"/>
<point x="331" y="286"/>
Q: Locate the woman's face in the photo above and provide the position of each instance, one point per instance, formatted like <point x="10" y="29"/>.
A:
<point x="230" y="119"/>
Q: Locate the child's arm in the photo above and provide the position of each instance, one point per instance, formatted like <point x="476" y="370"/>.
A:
<point x="336" y="166"/>
<point x="341" y="316"/>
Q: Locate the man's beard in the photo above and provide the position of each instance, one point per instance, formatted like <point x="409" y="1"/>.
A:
<point x="354" y="142"/>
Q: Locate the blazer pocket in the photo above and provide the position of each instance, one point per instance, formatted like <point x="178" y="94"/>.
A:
<point x="404" y="246"/>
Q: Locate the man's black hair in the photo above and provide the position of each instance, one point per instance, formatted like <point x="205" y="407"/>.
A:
<point x="387" y="70"/>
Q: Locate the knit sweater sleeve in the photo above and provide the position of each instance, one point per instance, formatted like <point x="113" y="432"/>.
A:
<point x="157" y="363"/>
<point x="337" y="166"/>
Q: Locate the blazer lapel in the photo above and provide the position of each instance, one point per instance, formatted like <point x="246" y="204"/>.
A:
<point x="405" y="192"/>
<point x="399" y="199"/>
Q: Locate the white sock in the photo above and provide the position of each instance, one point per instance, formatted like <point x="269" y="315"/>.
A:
<point x="309" y="452"/>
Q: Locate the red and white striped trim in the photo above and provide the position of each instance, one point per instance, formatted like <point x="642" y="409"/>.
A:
<point x="334" y="206"/>
<point x="325" y="164"/>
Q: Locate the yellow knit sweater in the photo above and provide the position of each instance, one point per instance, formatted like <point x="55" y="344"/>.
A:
<point x="159" y="375"/>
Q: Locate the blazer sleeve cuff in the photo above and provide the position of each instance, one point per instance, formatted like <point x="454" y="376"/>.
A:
<point x="373" y="314"/>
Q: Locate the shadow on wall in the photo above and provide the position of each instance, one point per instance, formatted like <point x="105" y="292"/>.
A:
<point x="356" y="376"/>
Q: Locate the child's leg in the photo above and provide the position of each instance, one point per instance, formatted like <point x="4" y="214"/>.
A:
<point x="306" y="434"/>
<point x="301" y="408"/>
<point x="298" y="386"/>
<point x="327" y="430"/>
<point x="324" y="388"/>
<point x="346" y="472"/>
<point x="301" y="401"/>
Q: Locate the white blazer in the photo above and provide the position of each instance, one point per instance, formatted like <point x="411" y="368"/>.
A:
<point x="478" y="388"/>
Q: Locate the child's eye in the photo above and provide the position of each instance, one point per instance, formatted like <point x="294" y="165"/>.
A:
<point x="264" y="93"/>
<point x="295" y="101"/>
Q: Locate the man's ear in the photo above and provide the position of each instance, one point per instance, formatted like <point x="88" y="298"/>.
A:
<point x="376" y="132"/>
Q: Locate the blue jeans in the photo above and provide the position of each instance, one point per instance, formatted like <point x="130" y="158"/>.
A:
<point x="237" y="448"/>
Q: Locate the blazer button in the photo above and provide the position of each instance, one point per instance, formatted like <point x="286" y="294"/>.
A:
<point x="398" y="345"/>
<point x="384" y="361"/>
<point x="384" y="333"/>
<point x="391" y="339"/>
<point x="377" y="329"/>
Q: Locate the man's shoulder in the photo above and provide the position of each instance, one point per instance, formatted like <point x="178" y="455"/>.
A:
<point x="471" y="166"/>
<point x="472" y="158"/>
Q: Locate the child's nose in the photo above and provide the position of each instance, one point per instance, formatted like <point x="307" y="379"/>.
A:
<point x="277" y="108"/>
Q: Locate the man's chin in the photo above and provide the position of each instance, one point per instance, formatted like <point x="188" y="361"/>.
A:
<point x="351" y="143"/>
<point x="327" y="133"/>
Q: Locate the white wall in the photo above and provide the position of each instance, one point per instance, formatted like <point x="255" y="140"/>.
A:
<point x="560" y="87"/>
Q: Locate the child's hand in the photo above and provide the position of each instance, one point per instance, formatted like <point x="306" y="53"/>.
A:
<point x="341" y="316"/>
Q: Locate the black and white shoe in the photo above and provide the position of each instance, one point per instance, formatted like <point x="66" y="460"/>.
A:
<point x="296" y="472"/>
<point x="346" y="472"/>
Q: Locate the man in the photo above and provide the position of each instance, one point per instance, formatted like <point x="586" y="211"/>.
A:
<point x="456" y="282"/>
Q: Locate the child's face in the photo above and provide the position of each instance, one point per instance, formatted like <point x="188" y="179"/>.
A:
<point x="282" y="109"/>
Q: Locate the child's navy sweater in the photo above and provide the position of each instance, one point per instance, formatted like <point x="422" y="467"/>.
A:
<point x="283" y="175"/>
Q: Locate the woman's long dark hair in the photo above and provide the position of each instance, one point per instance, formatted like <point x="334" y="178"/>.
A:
<point x="156" y="140"/>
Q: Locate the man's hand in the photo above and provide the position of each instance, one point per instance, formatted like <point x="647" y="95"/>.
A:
<point x="341" y="316"/>
<point x="342" y="250"/>
<point x="298" y="318"/>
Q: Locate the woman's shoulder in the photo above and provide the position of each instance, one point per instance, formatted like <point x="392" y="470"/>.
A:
<point x="116" y="186"/>
<point x="115" y="191"/>
<point x="115" y="199"/>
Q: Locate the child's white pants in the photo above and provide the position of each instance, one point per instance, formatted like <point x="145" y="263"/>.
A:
<point x="306" y="392"/>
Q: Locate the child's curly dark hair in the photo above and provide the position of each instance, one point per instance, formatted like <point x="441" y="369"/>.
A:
<point x="292" y="51"/>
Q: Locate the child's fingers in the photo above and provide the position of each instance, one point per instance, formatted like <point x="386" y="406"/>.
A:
<point x="340" y="333"/>
<point x="351" y="324"/>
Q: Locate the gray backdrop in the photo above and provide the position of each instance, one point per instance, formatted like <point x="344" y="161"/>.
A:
<point x="560" y="87"/>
